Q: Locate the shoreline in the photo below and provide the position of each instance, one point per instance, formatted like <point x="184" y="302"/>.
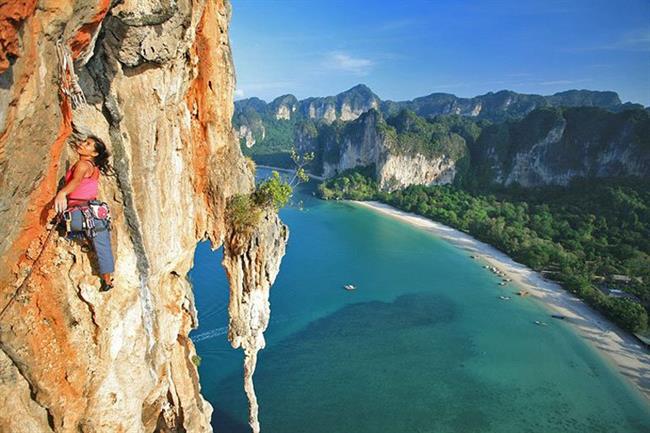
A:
<point x="615" y="345"/>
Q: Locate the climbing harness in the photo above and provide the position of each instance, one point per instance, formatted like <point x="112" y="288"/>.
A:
<point x="90" y="211"/>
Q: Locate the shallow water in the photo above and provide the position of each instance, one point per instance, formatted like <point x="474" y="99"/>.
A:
<point x="423" y="344"/>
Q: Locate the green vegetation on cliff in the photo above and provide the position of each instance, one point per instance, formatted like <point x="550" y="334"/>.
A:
<point x="410" y="134"/>
<point x="504" y="104"/>
<point x="589" y="237"/>
<point x="354" y="184"/>
<point x="244" y="211"/>
<point x="403" y="134"/>
<point x="574" y="140"/>
<point x="275" y="148"/>
<point x="563" y="141"/>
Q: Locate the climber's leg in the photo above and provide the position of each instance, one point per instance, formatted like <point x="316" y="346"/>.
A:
<point x="102" y="245"/>
<point x="76" y="220"/>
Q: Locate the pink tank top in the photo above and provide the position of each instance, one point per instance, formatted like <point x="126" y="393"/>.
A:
<point x="86" y="190"/>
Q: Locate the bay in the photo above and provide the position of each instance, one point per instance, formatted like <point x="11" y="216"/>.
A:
<point x="424" y="344"/>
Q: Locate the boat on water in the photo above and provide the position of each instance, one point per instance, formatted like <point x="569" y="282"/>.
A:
<point x="504" y="298"/>
<point x="558" y="316"/>
<point x="523" y="293"/>
<point x="349" y="287"/>
<point x="540" y="323"/>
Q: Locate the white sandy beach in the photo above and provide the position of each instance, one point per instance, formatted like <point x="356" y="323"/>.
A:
<point x="623" y="350"/>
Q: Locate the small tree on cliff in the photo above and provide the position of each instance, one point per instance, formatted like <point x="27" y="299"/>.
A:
<point x="300" y="160"/>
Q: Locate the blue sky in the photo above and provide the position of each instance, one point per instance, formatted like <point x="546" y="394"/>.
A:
<point x="409" y="48"/>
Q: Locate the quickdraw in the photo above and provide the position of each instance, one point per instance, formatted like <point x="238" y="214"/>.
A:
<point x="68" y="81"/>
<point x="88" y="223"/>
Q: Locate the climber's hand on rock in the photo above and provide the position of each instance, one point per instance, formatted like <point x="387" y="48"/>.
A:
<point x="60" y="202"/>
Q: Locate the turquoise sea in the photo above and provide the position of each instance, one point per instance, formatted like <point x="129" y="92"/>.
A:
<point x="423" y="345"/>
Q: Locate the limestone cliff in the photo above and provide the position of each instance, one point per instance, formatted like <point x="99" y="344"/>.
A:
<point x="399" y="171"/>
<point x="387" y="146"/>
<point x="255" y="115"/>
<point x="248" y="123"/>
<point x="347" y="105"/>
<point x="504" y="104"/>
<point x="284" y="107"/>
<point x="432" y="142"/>
<point x="251" y="264"/>
<point x="246" y="135"/>
<point x="553" y="146"/>
<point x="548" y="146"/>
<point x="158" y="81"/>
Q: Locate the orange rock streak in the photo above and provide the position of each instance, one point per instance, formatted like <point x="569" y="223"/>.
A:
<point x="80" y="41"/>
<point x="201" y="106"/>
<point x="12" y="14"/>
<point x="44" y="317"/>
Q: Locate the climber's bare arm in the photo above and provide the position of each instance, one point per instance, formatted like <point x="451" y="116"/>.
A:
<point x="81" y="170"/>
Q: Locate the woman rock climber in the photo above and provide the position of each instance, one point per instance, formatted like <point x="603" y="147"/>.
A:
<point x="81" y="185"/>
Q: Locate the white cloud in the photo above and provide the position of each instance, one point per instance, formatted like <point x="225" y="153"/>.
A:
<point x="344" y="62"/>
<point x="636" y="40"/>
<point x="633" y="40"/>
<point x="239" y="93"/>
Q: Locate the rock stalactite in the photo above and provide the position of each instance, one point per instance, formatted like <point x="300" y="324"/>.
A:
<point x="251" y="271"/>
<point x="158" y="81"/>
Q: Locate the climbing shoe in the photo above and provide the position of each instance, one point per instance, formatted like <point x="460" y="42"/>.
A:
<point x="106" y="286"/>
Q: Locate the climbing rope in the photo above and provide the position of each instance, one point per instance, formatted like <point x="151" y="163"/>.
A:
<point x="55" y="223"/>
<point x="69" y="87"/>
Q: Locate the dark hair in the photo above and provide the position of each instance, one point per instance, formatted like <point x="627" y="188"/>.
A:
<point x="101" y="160"/>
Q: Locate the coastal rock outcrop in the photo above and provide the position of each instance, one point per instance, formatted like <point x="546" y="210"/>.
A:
<point x="370" y="141"/>
<point x="251" y="263"/>
<point x="283" y="107"/>
<point x="438" y="131"/>
<point x="158" y="81"/>
<point x="345" y="106"/>
<point x="552" y="146"/>
<point x="504" y="104"/>
<point x="360" y="144"/>
<point x="350" y="104"/>
<point x="246" y="135"/>
<point x="399" y="171"/>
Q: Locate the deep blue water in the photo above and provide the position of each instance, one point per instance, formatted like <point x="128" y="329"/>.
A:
<point x="423" y="344"/>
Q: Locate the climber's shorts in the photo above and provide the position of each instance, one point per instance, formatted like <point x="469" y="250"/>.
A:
<point x="101" y="241"/>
